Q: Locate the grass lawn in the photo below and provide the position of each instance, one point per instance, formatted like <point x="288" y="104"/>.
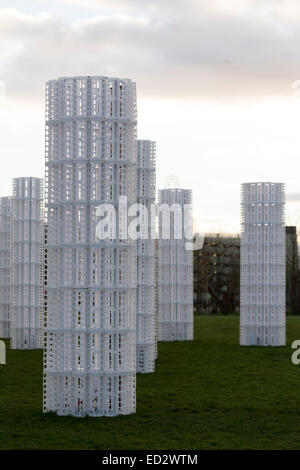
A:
<point x="206" y="394"/>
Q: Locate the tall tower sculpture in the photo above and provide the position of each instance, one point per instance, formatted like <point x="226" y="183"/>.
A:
<point x="156" y="296"/>
<point x="145" y="348"/>
<point x="5" y="267"/>
<point x="90" y="355"/>
<point x="27" y="264"/>
<point x="262" y="310"/>
<point x="175" y="267"/>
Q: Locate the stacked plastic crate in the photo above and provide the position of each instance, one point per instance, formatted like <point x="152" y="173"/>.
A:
<point x="156" y="296"/>
<point x="262" y="310"/>
<point x="5" y="267"/>
<point x="27" y="264"/>
<point x="145" y="359"/>
<point x="90" y="355"/>
<point x="175" y="266"/>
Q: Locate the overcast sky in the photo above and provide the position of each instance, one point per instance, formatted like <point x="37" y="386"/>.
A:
<point x="218" y="86"/>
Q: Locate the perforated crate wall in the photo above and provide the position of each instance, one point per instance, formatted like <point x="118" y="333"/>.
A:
<point x="5" y="267"/>
<point x="27" y="264"/>
<point x="156" y="297"/>
<point x="175" y="272"/>
<point x="145" y="357"/>
<point x="90" y="344"/>
<point x="262" y="309"/>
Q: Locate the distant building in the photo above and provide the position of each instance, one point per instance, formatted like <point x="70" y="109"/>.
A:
<point x="292" y="270"/>
<point x="217" y="275"/>
<point x="217" y="271"/>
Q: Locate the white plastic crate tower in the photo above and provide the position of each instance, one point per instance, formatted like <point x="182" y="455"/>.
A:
<point x="27" y="264"/>
<point x="90" y="345"/>
<point x="5" y="267"/>
<point x="156" y="296"/>
<point x="175" y="269"/>
<point x="145" y="348"/>
<point x="262" y="309"/>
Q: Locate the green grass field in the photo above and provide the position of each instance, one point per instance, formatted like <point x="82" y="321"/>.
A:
<point x="206" y="394"/>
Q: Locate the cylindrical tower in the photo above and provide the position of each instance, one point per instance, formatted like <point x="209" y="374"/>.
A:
<point x="175" y="266"/>
<point x="156" y="296"/>
<point x="5" y="267"/>
<point x="145" y="348"/>
<point x="27" y="263"/>
<point x="262" y="309"/>
<point x="90" y="355"/>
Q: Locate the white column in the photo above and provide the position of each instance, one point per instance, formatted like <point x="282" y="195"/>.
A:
<point x="262" y="310"/>
<point x="156" y="296"/>
<point x="90" y="356"/>
<point x="5" y="267"/>
<point x="145" y="358"/>
<point x="175" y="268"/>
<point x="27" y="264"/>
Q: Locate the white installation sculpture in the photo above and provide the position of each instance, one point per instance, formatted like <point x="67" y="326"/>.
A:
<point x="5" y="267"/>
<point x="175" y="268"/>
<point x="146" y="348"/>
<point x="90" y="355"/>
<point x="27" y="270"/>
<point x="262" y="309"/>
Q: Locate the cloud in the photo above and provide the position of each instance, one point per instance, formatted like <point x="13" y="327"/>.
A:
<point x="293" y="197"/>
<point x="248" y="49"/>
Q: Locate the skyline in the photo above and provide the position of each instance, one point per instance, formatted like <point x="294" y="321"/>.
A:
<point x="222" y="102"/>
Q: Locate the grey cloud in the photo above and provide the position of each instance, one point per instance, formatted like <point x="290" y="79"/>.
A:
<point x="174" y="51"/>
